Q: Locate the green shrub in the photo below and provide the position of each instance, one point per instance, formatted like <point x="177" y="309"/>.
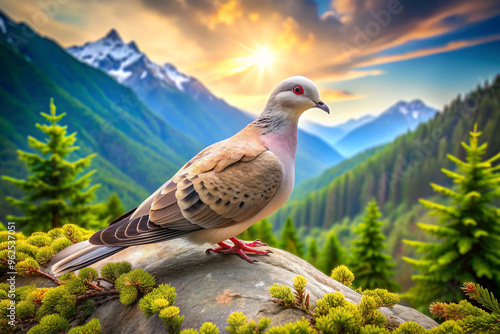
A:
<point x="112" y="271"/>
<point x="51" y="324"/>
<point x="92" y="327"/>
<point x="239" y="324"/>
<point x="343" y="275"/>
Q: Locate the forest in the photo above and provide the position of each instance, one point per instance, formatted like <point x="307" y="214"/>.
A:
<point x="388" y="213"/>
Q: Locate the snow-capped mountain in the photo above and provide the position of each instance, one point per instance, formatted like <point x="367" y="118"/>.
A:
<point x="331" y="134"/>
<point x="126" y="63"/>
<point x="177" y="97"/>
<point x="183" y="101"/>
<point x="414" y="112"/>
<point x="385" y="127"/>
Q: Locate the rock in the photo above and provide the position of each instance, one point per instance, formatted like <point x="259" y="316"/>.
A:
<point x="211" y="286"/>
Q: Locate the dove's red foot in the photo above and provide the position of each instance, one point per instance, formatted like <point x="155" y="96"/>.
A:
<point x="240" y="248"/>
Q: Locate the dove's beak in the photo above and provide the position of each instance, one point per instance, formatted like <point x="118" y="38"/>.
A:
<point x="322" y="105"/>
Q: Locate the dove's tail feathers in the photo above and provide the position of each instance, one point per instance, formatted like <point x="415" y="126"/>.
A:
<point x="80" y="255"/>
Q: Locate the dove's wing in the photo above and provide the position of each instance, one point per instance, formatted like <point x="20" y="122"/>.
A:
<point x="226" y="183"/>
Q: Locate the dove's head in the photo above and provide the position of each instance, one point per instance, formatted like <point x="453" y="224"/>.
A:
<point x="295" y="95"/>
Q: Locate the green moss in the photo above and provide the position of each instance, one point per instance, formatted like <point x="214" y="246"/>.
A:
<point x="368" y="307"/>
<point x="25" y="310"/>
<point x="44" y="254"/>
<point x="51" y="324"/>
<point x="76" y="286"/>
<point x="299" y="327"/>
<point x="447" y="327"/>
<point x="383" y="297"/>
<point x="60" y="243"/>
<point x="340" y="320"/>
<point x="239" y="324"/>
<point x="92" y="327"/>
<point x="371" y="329"/>
<point x="112" y="271"/>
<point x="39" y="240"/>
<point x="409" y="328"/>
<point x="328" y="302"/>
<point x="209" y="328"/>
<point x="88" y="274"/>
<point x="23" y="246"/>
<point x="65" y="278"/>
<point x="36" y="296"/>
<point x="27" y="266"/>
<point x="163" y="291"/>
<point x="283" y="294"/>
<point x="58" y="300"/>
<point x="170" y="316"/>
<point x="128" y="294"/>
<point x="343" y="275"/>
<point x="23" y="291"/>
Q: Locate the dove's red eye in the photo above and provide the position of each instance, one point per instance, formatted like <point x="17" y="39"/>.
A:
<point x="298" y="90"/>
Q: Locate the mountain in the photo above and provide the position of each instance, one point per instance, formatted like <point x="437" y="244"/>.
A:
<point x="331" y="134"/>
<point x="396" y="120"/>
<point x="400" y="173"/>
<point x="396" y="176"/>
<point x="181" y="100"/>
<point x="312" y="184"/>
<point x="136" y="149"/>
<point x="186" y="103"/>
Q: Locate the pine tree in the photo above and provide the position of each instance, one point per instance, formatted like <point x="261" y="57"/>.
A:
<point x="313" y="253"/>
<point x="55" y="195"/>
<point x="110" y="210"/>
<point x="332" y="255"/>
<point x="468" y="230"/>
<point x="264" y="232"/>
<point x="289" y="240"/>
<point x="372" y="267"/>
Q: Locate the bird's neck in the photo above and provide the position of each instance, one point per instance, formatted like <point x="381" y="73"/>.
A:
<point x="273" y="120"/>
<point x="279" y="135"/>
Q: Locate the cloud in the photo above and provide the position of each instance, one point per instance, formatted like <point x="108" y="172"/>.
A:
<point x="206" y="38"/>
<point x="349" y="75"/>
<point x="451" y="46"/>
<point x="339" y="95"/>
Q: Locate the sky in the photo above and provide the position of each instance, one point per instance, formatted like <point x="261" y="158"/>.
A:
<point x="363" y="55"/>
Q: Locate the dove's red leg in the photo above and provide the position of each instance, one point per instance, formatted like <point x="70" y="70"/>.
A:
<point x="239" y="248"/>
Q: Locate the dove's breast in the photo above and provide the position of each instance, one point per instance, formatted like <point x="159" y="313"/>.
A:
<point x="284" y="148"/>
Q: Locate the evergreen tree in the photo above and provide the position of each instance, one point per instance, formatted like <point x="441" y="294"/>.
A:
<point x="313" y="253"/>
<point x="289" y="240"/>
<point x="264" y="232"/>
<point x="372" y="267"/>
<point x="332" y="255"/>
<point x="55" y="195"/>
<point x="468" y="230"/>
<point x="110" y="210"/>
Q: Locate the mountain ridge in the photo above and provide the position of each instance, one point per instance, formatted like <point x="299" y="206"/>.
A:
<point x="186" y="103"/>
<point x="359" y="134"/>
<point x="104" y="114"/>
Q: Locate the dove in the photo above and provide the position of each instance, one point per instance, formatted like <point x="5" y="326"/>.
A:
<point x="219" y="193"/>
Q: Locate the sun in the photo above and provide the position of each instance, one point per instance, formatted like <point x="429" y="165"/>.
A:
<point x="262" y="57"/>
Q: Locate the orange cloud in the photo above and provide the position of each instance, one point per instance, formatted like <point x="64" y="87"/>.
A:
<point x="228" y="13"/>
<point x="213" y="39"/>
<point x="350" y="75"/>
<point x="451" y="46"/>
<point x="339" y="95"/>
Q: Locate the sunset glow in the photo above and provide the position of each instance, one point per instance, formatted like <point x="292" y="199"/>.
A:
<point x="354" y="51"/>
